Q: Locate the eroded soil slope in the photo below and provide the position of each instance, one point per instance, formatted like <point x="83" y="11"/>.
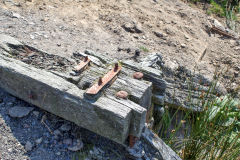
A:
<point x="118" y="27"/>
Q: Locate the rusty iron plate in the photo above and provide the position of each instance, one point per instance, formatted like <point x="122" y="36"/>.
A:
<point x="103" y="81"/>
<point x="83" y="64"/>
<point x="132" y="140"/>
<point x="224" y="33"/>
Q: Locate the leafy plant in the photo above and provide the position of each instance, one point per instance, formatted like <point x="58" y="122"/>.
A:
<point x="223" y="8"/>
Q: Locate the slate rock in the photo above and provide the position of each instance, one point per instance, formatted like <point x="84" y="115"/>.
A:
<point x="39" y="140"/>
<point x="132" y="28"/>
<point x="28" y="146"/>
<point x="19" y="112"/>
<point x="65" y="127"/>
<point x="77" y="145"/>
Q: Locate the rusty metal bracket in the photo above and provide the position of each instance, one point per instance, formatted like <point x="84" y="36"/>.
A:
<point x="103" y="81"/>
<point x="222" y="32"/>
<point x="83" y="64"/>
<point x="132" y="140"/>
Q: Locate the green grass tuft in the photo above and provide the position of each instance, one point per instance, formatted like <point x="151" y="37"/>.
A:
<point x="144" y="49"/>
<point x="211" y="134"/>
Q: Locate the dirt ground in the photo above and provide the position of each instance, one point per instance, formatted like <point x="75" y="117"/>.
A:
<point x="117" y="28"/>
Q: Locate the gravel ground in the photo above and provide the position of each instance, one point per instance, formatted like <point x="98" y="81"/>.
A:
<point x="43" y="136"/>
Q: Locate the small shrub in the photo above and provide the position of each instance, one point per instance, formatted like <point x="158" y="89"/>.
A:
<point x="144" y="49"/>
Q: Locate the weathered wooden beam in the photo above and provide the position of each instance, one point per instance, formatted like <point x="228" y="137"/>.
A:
<point x="107" y="116"/>
<point x="54" y="94"/>
<point x="150" y="74"/>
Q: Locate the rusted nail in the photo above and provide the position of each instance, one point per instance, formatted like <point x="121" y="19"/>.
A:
<point x="85" y="59"/>
<point x="149" y="111"/>
<point x="31" y="95"/>
<point x="100" y="81"/>
<point x="83" y="64"/>
<point x="28" y="51"/>
<point x="132" y="140"/>
<point x="116" y="67"/>
<point x="138" y="75"/>
<point x="122" y="94"/>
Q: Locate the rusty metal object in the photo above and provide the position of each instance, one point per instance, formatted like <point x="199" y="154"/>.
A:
<point x="28" y="51"/>
<point x="106" y="79"/>
<point x="138" y="75"/>
<point x="100" y="81"/>
<point x="222" y="32"/>
<point x="122" y="94"/>
<point x="83" y="64"/>
<point x="132" y="140"/>
<point x="149" y="114"/>
<point x="32" y="95"/>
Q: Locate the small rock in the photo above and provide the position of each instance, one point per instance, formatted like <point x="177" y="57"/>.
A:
<point x="39" y="140"/>
<point x="32" y="36"/>
<point x="67" y="141"/>
<point x="95" y="150"/>
<point x="138" y="75"/>
<point x="76" y="146"/>
<point x="58" y="153"/>
<point x="19" y="112"/>
<point x="73" y="73"/>
<point x="186" y="36"/>
<point x="56" y="137"/>
<point x="237" y="48"/>
<point x="16" y="15"/>
<point x="132" y="28"/>
<point x="183" y="45"/>
<point x="160" y="35"/>
<point x="10" y="150"/>
<point x="45" y="36"/>
<point x="122" y="94"/>
<point x="137" y="53"/>
<point x="9" y="104"/>
<point x="28" y="146"/>
<point x="57" y="132"/>
<point x="65" y="127"/>
<point x="31" y="23"/>
<point x="218" y="24"/>
<point x="233" y="42"/>
<point x="238" y="42"/>
<point x="36" y="113"/>
<point x="136" y="153"/>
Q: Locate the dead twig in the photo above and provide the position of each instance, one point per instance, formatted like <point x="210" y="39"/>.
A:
<point x="202" y="55"/>
<point x="44" y="117"/>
